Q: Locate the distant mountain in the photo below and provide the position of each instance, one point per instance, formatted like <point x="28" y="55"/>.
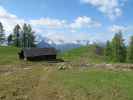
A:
<point x="43" y="44"/>
<point x="62" y="46"/>
<point x="66" y="46"/>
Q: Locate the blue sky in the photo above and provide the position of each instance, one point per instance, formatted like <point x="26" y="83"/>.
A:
<point x="70" y="20"/>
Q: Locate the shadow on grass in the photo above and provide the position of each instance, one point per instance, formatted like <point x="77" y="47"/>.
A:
<point x="48" y="61"/>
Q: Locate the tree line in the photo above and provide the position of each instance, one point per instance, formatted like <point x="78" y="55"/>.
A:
<point x="117" y="51"/>
<point x="114" y="51"/>
<point x="23" y="37"/>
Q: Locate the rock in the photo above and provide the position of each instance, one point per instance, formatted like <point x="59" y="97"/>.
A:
<point x="63" y="66"/>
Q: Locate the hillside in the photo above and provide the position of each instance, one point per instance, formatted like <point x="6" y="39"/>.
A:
<point x="9" y="55"/>
<point x="83" y="54"/>
<point x="20" y="80"/>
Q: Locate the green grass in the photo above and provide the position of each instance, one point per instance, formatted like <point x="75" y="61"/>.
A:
<point x="43" y="81"/>
<point x="91" y="84"/>
<point x="9" y="55"/>
<point x="83" y="54"/>
<point x="18" y="82"/>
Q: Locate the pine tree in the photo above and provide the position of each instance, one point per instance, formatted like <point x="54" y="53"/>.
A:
<point x="2" y="35"/>
<point x="118" y="48"/>
<point x="24" y="36"/>
<point x="108" y="51"/>
<point x="28" y="38"/>
<point x="10" y="39"/>
<point x="130" y="51"/>
<point x="16" y="32"/>
<point x="31" y="37"/>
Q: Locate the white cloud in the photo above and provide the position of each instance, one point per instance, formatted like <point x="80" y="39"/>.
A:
<point x="65" y="38"/>
<point x="67" y="30"/>
<point x="49" y="23"/>
<point x="84" y="22"/>
<point x="56" y="38"/>
<point x="117" y="28"/>
<point x="79" y="22"/>
<point x="9" y="20"/>
<point x="69" y="33"/>
<point x="111" y="8"/>
<point x="5" y="14"/>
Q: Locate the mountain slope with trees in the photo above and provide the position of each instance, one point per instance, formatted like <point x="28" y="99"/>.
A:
<point x="114" y="51"/>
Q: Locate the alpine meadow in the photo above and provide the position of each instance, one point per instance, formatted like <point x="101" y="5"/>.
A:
<point x="66" y="50"/>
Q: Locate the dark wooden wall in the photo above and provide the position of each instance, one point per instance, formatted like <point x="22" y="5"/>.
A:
<point x="45" y="57"/>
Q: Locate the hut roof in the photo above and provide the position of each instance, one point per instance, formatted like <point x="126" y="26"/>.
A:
<point x="34" y="52"/>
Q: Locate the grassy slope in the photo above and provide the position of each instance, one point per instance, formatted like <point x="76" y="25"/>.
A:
<point x="83" y="54"/>
<point x="8" y="55"/>
<point x="44" y="82"/>
<point x="18" y="83"/>
<point x="89" y="84"/>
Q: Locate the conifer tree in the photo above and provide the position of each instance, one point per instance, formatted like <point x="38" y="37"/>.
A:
<point x="130" y="51"/>
<point x="24" y="36"/>
<point x="28" y="38"/>
<point x="118" y="48"/>
<point x="10" y="39"/>
<point x="31" y="37"/>
<point x="2" y="35"/>
<point x="108" y="51"/>
<point x="16" y="32"/>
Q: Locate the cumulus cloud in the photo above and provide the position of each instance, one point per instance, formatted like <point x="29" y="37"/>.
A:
<point x="65" y="38"/>
<point x="79" y="22"/>
<point x="44" y="25"/>
<point x="56" y="38"/>
<point x="9" y="20"/>
<point x="48" y="22"/>
<point x="117" y="28"/>
<point x="84" y="22"/>
<point x="111" y="8"/>
<point x="69" y="28"/>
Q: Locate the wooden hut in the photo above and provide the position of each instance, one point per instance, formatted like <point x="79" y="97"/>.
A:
<point x="38" y="54"/>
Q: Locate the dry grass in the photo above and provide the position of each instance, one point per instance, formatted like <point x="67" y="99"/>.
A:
<point x="43" y="81"/>
<point x="77" y="84"/>
<point x="75" y="80"/>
